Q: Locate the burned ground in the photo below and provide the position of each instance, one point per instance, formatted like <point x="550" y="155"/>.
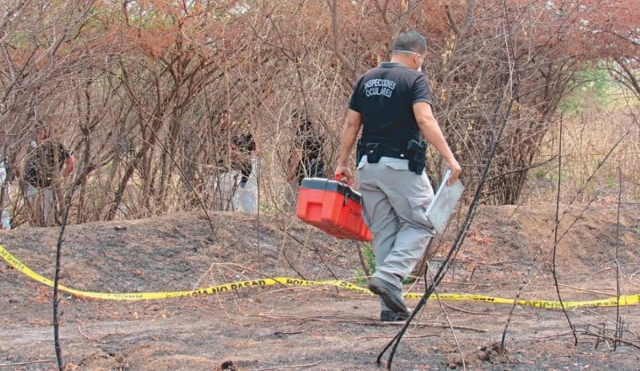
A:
<point x="319" y="327"/>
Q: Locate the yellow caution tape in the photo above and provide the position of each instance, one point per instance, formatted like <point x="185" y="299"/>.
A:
<point x="623" y="300"/>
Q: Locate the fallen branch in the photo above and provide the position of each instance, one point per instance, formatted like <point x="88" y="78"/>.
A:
<point x="288" y="332"/>
<point x="371" y="323"/>
<point x="24" y="363"/>
<point x="586" y="290"/>
<point x="283" y="367"/>
<point x="390" y="336"/>
<point x="465" y="311"/>
<point x="631" y="277"/>
<point x="614" y="267"/>
<point x="612" y="338"/>
<point x="83" y="334"/>
<point x="538" y="338"/>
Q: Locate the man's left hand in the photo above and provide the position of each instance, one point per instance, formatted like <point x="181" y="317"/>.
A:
<point x="452" y="164"/>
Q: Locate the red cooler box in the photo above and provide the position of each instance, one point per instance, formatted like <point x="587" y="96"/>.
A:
<point x="332" y="207"/>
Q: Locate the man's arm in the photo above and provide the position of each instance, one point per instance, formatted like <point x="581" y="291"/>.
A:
<point x="431" y="132"/>
<point x="349" y="138"/>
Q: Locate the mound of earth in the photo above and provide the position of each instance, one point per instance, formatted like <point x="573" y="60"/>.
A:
<point x="508" y="251"/>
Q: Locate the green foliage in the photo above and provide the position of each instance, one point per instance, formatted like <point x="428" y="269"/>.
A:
<point x="369" y="256"/>
<point x="539" y="173"/>
<point x="611" y="183"/>
<point x="370" y="260"/>
<point x="361" y="279"/>
<point x="593" y="82"/>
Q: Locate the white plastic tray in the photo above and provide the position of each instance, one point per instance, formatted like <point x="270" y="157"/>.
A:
<point x="444" y="202"/>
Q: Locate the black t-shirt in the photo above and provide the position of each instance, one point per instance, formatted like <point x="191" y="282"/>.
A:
<point x="44" y="164"/>
<point x="385" y="96"/>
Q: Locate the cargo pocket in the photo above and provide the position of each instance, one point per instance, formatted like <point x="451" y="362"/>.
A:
<point x="419" y="205"/>
<point x="399" y="165"/>
<point x="420" y="201"/>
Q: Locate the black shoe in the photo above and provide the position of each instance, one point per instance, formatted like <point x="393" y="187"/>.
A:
<point x="391" y="316"/>
<point x="391" y="296"/>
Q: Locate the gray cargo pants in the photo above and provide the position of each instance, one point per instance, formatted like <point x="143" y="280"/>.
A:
<point x="394" y="202"/>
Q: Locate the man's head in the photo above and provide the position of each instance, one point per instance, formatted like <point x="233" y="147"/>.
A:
<point x="410" y="49"/>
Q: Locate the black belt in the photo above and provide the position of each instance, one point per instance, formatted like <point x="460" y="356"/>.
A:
<point x="414" y="152"/>
<point x="389" y="152"/>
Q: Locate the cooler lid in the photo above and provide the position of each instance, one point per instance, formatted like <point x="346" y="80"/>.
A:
<point x="331" y="185"/>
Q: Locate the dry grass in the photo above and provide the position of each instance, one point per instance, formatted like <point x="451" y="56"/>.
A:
<point x="588" y="136"/>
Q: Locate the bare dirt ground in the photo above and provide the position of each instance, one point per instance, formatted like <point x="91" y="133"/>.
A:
<point x="317" y="328"/>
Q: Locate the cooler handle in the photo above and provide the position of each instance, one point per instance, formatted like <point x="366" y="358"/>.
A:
<point x="346" y="194"/>
<point x="337" y="179"/>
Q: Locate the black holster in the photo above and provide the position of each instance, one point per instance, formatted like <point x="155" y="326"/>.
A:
<point x="373" y="151"/>
<point x="417" y="156"/>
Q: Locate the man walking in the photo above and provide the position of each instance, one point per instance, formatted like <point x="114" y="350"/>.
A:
<point x="392" y="103"/>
